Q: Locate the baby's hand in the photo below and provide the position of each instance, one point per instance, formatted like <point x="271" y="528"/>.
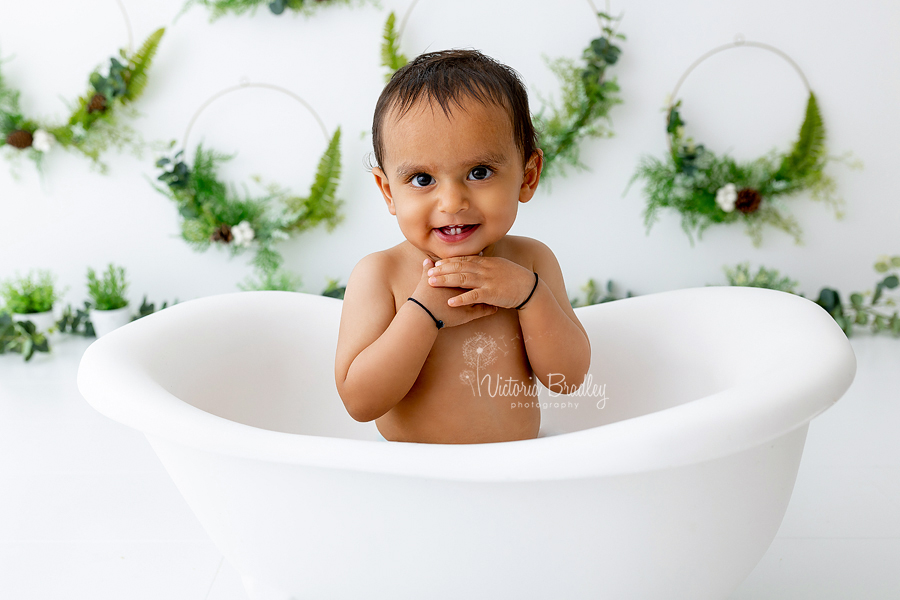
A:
<point x="435" y="299"/>
<point x="490" y="280"/>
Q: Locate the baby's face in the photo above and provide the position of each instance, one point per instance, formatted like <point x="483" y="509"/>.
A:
<point x="463" y="170"/>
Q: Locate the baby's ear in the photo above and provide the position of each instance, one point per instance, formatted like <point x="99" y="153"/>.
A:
<point x="384" y="186"/>
<point x="536" y="161"/>
<point x="532" y="175"/>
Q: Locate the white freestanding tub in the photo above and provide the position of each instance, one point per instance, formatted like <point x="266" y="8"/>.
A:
<point x="670" y="486"/>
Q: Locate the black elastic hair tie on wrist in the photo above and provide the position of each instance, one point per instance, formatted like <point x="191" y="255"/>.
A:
<point x="532" y="291"/>
<point x="436" y="321"/>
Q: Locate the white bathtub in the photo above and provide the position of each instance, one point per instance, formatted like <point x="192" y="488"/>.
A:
<point x="671" y="487"/>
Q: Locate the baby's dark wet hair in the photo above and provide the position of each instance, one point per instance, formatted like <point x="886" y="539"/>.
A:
<point x="449" y="76"/>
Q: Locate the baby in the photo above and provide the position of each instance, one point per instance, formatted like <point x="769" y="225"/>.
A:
<point x="441" y="335"/>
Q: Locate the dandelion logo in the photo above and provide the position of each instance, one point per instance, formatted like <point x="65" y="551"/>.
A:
<point x="480" y="350"/>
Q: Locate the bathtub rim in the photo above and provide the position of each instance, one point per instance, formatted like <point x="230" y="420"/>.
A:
<point x="723" y="423"/>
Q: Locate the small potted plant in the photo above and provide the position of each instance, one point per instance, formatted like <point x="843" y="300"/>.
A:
<point x="31" y="299"/>
<point x="109" y="308"/>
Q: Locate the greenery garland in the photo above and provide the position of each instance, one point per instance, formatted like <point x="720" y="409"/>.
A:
<point x="863" y="308"/>
<point x="587" y="95"/>
<point x="304" y="7"/>
<point x="870" y="308"/>
<point x="214" y="214"/>
<point x="25" y="295"/>
<point x="708" y="189"/>
<point x="94" y="124"/>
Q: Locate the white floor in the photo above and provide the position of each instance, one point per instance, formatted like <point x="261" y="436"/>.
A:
<point x="87" y="511"/>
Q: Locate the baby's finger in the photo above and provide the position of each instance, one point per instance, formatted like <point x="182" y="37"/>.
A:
<point x="460" y="280"/>
<point x="470" y="297"/>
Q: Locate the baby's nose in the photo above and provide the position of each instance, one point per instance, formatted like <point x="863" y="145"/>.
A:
<point x="453" y="199"/>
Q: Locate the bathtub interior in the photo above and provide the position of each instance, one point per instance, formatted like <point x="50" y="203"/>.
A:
<point x="274" y="369"/>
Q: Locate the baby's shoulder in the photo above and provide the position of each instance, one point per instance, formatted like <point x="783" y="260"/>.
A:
<point x="376" y="265"/>
<point x="523" y="250"/>
<point x="379" y="269"/>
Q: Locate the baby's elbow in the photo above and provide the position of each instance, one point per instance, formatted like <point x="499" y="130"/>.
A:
<point x="567" y="381"/>
<point x="358" y="415"/>
<point x="358" y="411"/>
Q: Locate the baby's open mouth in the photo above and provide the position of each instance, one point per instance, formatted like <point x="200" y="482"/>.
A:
<point x="456" y="229"/>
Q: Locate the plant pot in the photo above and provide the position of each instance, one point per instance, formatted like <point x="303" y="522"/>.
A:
<point x="43" y="321"/>
<point x="105" y="321"/>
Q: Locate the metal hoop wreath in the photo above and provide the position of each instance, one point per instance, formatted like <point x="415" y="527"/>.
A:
<point x="245" y="84"/>
<point x="737" y="43"/>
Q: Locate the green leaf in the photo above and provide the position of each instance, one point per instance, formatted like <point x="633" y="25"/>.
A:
<point x="809" y="150"/>
<point x="391" y="58"/>
<point x="829" y="299"/>
<point x="890" y="282"/>
<point x="321" y="203"/>
<point x="139" y="63"/>
<point x="879" y="287"/>
<point x="333" y="290"/>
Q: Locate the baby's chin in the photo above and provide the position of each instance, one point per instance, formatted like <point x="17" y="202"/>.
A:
<point x="435" y="258"/>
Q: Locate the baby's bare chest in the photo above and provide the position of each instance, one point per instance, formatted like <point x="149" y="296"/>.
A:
<point x="478" y="361"/>
<point x="475" y="385"/>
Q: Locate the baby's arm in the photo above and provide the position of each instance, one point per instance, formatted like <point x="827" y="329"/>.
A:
<point x="556" y="343"/>
<point x="379" y="353"/>
<point x="555" y="340"/>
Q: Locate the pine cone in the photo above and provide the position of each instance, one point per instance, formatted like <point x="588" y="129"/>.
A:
<point x="748" y="200"/>
<point x="97" y="103"/>
<point x="20" y="139"/>
<point x="222" y="234"/>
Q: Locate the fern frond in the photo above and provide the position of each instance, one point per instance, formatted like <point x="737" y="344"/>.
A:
<point x="809" y="149"/>
<point x="321" y="205"/>
<point x="390" y="48"/>
<point x="139" y="63"/>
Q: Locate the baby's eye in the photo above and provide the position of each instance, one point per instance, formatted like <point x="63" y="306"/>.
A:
<point x="421" y="180"/>
<point x="479" y="173"/>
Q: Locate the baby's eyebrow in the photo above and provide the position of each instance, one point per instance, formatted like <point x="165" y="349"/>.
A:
<point x="489" y="159"/>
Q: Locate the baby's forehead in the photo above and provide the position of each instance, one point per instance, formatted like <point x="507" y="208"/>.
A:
<point x="454" y="109"/>
<point x="428" y="132"/>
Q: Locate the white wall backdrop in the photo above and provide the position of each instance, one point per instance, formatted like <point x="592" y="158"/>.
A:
<point x="745" y="101"/>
